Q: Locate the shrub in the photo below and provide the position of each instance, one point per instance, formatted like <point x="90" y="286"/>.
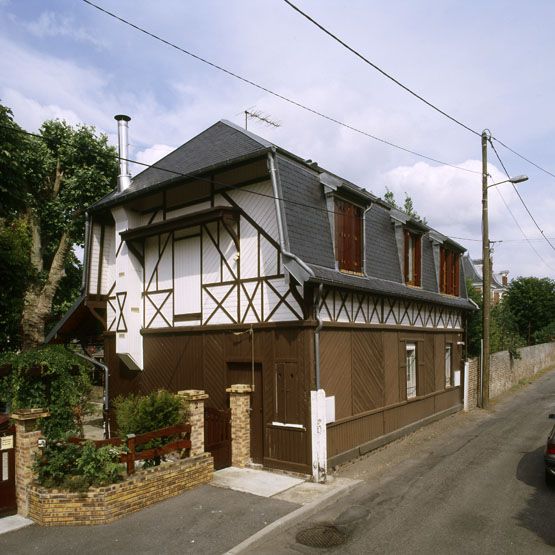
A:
<point x="50" y="377"/>
<point x="138" y="414"/>
<point x="77" y="467"/>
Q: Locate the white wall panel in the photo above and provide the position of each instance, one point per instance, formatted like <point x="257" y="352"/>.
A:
<point x="187" y="210"/>
<point x="248" y="250"/>
<point x="187" y="276"/>
<point x="165" y="265"/>
<point x="210" y="256"/>
<point x="108" y="259"/>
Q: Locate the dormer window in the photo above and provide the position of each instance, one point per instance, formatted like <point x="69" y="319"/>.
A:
<point x="449" y="271"/>
<point x="348" y="236"/>
<point x="413" y="258"/>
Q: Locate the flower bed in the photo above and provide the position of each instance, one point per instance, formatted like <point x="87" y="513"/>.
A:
<point x="106" y="504"/>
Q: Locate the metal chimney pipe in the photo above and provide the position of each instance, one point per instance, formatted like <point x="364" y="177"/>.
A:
<point x="124" y="177"/>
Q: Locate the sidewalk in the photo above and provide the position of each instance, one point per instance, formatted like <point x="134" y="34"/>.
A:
<point x="209" y="519"/>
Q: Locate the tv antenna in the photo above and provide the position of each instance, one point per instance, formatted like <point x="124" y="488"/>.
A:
<point x="256" y="114"/>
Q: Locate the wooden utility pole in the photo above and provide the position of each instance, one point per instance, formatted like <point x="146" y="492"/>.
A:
<point x="486" y="275"/>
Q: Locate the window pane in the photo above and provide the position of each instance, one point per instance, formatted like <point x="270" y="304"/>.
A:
<point x="447" y="365"/>
<point x="411" y="370"/>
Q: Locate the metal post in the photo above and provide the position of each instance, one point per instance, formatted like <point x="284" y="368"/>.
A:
<point x="486" y="274"/>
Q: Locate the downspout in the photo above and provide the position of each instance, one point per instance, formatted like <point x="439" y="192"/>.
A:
<point x="317" y="330"/>
<point x="86" y="253"/>
<point x="284" y="251"/>
<point x="106" y="403"/>
<point x="366" y="210"/>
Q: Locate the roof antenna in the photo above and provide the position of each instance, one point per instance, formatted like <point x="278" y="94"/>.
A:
<point x="256" y="114"/>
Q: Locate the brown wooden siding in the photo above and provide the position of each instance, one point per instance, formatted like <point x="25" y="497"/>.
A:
<point x="202" y="359"/>
<point x="365" y="370"/>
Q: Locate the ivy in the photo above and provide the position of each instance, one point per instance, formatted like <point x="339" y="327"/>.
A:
<point x="52" y="378"/>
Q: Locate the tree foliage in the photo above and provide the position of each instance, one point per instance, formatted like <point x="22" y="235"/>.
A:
<point x="474" y="322"/>
<point x="46" y="183"/>
<point x="408" y="205"/>
<point x="51" y="378"/>
<point x="531" y="301"/>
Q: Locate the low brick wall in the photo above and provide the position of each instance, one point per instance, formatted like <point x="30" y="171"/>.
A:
<point x="106" y="504"/>
<point x="506" y="372"/>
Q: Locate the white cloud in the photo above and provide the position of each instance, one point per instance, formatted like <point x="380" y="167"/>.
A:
<point x="152" y="155"/>
<point x="50" y="24"/>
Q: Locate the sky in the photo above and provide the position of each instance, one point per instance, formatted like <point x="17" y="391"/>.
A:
<point x="486" y="62"/>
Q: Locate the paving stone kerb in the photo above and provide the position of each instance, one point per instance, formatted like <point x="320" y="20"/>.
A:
<point x="240" y="404"/>
<point x="106" y="504"/>
<point x="27" y="434"/>
<point x="506" y="372"/>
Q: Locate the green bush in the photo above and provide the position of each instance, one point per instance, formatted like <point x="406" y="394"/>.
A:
<point x="138" y="414"/>
<point x="75" y="467"/>
<point x="50" y="377"/>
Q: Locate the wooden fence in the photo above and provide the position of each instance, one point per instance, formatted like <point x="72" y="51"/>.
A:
<point x="133" y="444"/>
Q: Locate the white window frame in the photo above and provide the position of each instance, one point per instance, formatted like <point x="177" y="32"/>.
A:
<point x="448" y="364"/>
<point x="410" y="358"/>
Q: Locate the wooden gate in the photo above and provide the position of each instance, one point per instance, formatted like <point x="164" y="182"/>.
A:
<point x="217" y="436"/>
<point x="8" y="502"/>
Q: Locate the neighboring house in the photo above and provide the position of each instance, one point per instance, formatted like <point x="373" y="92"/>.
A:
<point x="241" y="262"/>
<point x="499" y="280"/>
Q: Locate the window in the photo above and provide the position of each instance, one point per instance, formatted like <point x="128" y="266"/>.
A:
<point x="449" y="271"/>
<point x="348" y="236"/>
<point x="288" y="395"/>
<point x="413" y="258"/>
<point x="411" y="369"/>
<point x="448" y="365"/>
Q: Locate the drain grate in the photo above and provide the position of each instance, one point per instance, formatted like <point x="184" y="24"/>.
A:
<point x="324" y="535"/>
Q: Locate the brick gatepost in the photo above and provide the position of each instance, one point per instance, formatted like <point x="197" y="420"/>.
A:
<point x="240" y="404"/>
<point x="27" y="435"/>
<point x="195" y="403"/>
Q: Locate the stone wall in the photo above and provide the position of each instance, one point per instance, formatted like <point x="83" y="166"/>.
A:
<point x="506" y="372"/>
<point x="106" y="504"/>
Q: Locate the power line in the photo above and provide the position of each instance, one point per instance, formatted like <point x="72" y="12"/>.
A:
<point x="408" y="89"/>
<point x="519" y="195"/>
<point x="273" y="93"/>
<point x="382" y="71"/>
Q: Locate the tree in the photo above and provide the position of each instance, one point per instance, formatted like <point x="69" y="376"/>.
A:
<point x="408" y="205"/>
<point x="474" y="321"/>
<point x="504" y="335"/>
<point x="51" y="180"/>
<point x="531" y="301"/>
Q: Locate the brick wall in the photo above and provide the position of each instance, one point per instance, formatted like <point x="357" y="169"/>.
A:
<point x="472" y="377"/>
<point x="106" y="504"/>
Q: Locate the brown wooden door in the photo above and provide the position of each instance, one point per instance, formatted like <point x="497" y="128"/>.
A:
<point x="8" y="502"/>
<point x="217" y="436"/>
<point x="241" y="373"/>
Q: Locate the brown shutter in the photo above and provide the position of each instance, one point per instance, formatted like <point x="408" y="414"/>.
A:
<point x="417" y="260"/>
<point x="441" y="270"/>
<point x="403" y="370"/>
<point x="406" y="272"/>
<point x="456" y="270"/>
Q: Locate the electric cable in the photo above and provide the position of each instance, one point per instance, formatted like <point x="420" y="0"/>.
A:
<point x="271" y="92"/>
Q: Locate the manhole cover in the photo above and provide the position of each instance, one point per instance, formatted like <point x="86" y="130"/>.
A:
<point x="321" y="536"/>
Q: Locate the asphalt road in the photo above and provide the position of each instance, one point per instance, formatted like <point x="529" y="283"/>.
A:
<point x="467" y="484"/>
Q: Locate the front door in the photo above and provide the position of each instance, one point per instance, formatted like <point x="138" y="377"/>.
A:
<point x="241" y="373"/>
<point x="8" y="502"/>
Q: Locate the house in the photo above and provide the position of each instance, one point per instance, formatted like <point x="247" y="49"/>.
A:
<point x="236" y="261"/>
<point x="499" y="280"/>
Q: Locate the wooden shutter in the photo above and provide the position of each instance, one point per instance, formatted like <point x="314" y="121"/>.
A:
<point x="279" y="399"/>
<point x="417" y="259"/>
<point x="407" y="240"/>
<point x="456" y="269"/>
<point x="348" y="236"/>
<point x="441" y="270"/>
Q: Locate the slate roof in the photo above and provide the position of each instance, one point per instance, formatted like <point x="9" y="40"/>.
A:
<point x="305" y="217"/>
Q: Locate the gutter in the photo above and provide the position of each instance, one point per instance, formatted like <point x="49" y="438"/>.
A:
<point x="303" y="273"/>
<point x="106" y="403"/>
<point x="366" y="210"/>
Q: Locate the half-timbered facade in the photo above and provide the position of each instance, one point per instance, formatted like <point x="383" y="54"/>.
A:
<point x="235" y="261"/>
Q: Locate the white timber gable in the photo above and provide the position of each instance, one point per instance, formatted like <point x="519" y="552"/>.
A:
<point x="204" y="270"/>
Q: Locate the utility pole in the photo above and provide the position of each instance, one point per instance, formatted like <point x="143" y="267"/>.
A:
<point x="486" y="275"/>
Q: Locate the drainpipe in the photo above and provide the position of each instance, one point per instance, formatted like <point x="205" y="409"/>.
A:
<point x="106" y="403"/>
<point x="284" y="251"/>
<point x="366" y="210"/>
<point x="86" y="252"/>
<point x="318" y="296"/>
